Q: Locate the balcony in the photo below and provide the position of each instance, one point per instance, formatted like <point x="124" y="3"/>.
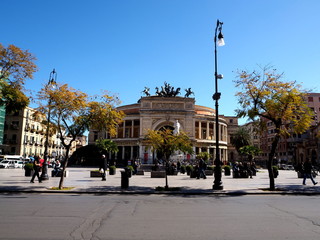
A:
<point x="14" y="127"/>
<point x="13" y="141"/>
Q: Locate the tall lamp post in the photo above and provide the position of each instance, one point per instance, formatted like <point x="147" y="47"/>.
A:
<point x="51" y="83"/>
<point x="218" y="40"/>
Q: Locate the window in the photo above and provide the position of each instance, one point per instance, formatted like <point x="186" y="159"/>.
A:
<point x="95" y="136"/>
<point x="204" y="134"/>
<point x="127" y="133"/>
<point x="14" y="137"/>
<point x="310" y="99"/>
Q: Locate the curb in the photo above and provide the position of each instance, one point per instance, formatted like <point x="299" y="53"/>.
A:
<point x="199" y="192"/>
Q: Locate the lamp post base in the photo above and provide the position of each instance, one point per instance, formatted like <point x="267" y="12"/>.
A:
<point x="217" y="187"/>
<point x="44" y="175"/>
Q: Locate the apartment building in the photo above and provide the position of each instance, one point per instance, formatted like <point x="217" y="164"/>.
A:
<point x="297" y="147"/>
<point x="24" y="134"/>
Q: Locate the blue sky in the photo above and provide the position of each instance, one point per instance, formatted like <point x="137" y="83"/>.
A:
<point x="124" y="45"/>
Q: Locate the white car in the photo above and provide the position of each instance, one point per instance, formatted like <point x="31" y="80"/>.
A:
<point x="11" y="164"/>
<point x="290" y="167"/>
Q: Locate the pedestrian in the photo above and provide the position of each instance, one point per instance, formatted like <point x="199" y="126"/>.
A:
<point x="103" y="166"/>
<point x="135" y="166"/>
<point x="36" y="168"/>
<point x="201" y="167"/>
<point x="56" y="168"/>
<point x="307" y="170"/>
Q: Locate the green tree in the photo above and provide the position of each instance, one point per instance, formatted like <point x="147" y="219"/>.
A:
<point x="241" y="138"/>
<point x="249" y="151"/>
<point x="73" y="112"/>
<point x="265" y="97"/>
<point x="107" y="145"/>
<point x="203" y="155"/>
<point x="16" y="66"/>
<point x="166" y="143"/>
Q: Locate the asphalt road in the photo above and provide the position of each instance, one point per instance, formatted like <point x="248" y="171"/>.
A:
<point x="147" y="217"/>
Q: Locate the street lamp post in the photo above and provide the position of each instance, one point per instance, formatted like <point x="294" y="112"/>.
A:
<point x="217" y="183"/>
<point x="51" y="82"/>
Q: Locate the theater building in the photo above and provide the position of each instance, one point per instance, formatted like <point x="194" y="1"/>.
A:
<point x="156" y="112"/>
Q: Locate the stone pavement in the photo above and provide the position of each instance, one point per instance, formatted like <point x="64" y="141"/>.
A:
<point x="13" y="180"/>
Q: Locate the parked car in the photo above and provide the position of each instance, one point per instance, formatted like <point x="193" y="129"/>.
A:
<point x="11" y="164"/>
<point x="7" y="164"/>
<point x="290" y="167"/>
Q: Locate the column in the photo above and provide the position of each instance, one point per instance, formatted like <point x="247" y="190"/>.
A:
<point x="131" y="152"/>
<point x="124" y="129"/>
<point x="123" y="152"/>
<point x="132" y="128"/>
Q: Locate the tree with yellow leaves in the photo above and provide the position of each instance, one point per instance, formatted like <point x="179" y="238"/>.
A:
<point x="166" y="143"/>
<point x="264" y="96"/>
<point x="16" y="65"/>
<point x="73" y="112"/>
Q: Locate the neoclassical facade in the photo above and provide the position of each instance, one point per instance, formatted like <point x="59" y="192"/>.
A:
<point x="155" y="112"/>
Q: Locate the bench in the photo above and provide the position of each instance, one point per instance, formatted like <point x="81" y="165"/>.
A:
<point x="158" y="174"/>
<point x="66" y="173"/>
<point x="95" y="174"/>
<point x="140" y="172"/>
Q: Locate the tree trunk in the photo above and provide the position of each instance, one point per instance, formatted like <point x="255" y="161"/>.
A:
<point x="270" y="161"/>
<point x="64" y="168"/>
<point x="166" y="171"/>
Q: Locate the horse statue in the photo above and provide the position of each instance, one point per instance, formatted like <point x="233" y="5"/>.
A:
<point x="176" y="92"/>
<point x="146" y="91"/>
<point x="188" y="92"/>
<point x="158" y="93"/>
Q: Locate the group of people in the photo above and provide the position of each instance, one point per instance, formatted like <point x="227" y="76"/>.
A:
<point x="37" y="167"/>
<point x="244" y="169"/>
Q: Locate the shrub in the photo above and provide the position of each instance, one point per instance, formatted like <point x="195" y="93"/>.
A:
<point x="211" y="167"/>
<point x="28" y="166"/>
<point x="130" y="167"/>
<point x="183" y="168"/>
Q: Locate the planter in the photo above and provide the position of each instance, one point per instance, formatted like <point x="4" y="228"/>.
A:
<point x="95" y="174"/>
<point x="140" y="172"/>
<point x="209" y="172"/>
<point x="129" y="169"/>
<point x="193" y="174"/>
<point x="227" y="170"/>
<point x="112" y="170"/>
<point x="28" y="172"/>
<point x="189" y="169"/>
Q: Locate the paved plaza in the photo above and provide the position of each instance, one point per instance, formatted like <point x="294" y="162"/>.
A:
<point x="13" y="180"/>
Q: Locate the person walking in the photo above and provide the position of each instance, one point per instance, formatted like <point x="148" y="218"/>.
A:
<point x="36" y="168"/>
<point x="307" y="169"/>
<point x="103" y="166"/>
<point x="201" y="169"/>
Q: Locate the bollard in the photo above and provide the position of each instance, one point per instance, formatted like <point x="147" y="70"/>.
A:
<point x="124" y="179"/>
